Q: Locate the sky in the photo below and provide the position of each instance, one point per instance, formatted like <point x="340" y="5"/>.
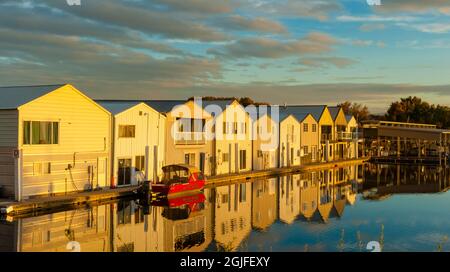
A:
<point x="276" y="51"/>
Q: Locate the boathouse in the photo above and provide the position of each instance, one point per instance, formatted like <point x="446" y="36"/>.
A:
<point x="232" y="139"/>
<point x="405" y="142"/>
<point x="138" y="142"/>
<point x="53" y="140"/>
<point x="187" y="137"/>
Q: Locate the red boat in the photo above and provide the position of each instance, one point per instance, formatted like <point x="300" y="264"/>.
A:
<point x="178" y="179"/>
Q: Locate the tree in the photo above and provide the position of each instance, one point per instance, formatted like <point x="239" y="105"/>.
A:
<point x="415" y="110"/>
<point x="359" y="111"/>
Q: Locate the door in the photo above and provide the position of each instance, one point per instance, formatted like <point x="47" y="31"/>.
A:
<point x="124" y="175"/>
<point x="202" y="162"/>
<point x="102" y="174"/>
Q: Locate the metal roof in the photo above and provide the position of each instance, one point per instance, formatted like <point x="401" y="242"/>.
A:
<point x="164" y="106"/>
<point x="220" y="103"/>
<point x="116" y="107"/>
<point x="334" y="111"/>
<point x="348" y="117"/>
<point x="300" y="112"/>
<point x="14" y="97"/>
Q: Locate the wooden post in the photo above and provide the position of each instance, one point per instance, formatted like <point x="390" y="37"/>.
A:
<point x="419" y="149"/>
<point x="155" y="163"/>
<point x="398" y="147"/>
<point x="378" y="147"/>
<point x="18" y="169"/>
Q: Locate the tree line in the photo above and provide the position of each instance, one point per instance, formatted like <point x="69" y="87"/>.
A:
<point x="411" y="109"/>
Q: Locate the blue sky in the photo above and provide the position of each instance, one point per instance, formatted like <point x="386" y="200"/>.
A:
<point x="293" y="51"/>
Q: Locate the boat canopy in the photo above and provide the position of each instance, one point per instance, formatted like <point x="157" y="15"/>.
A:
<point x="178" y="173"/>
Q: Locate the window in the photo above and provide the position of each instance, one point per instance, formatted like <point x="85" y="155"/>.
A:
<point x="305" y="128"/>
<point x="124" y="212"/>
<point x="242" y="159"/>
<point x="242" y="192"/>
<point x="138" y="215"/>
<point x="40" y="168"/>
<point x="225" y="157"/>
<point x="225" y="198"/>
<point x="189" y="158"/>
<point x="225" y="128"/>
<point x="314" y="128"/>
<point x="37" y="132"/>
<point x="305" y="150"/>
<point x="140" y="163"/>
<point x="127" y="131"/>
<point x="47" y="168"/>
<point x="37" y="169"/>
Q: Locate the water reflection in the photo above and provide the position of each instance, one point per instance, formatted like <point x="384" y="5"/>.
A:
<point x="286" y="213"/>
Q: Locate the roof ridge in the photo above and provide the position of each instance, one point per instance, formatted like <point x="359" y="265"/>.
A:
<point x="29" y="86"/>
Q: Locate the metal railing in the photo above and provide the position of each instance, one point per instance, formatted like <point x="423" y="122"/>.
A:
<point x="346" y="136"/>
<point x="190" y="138"/>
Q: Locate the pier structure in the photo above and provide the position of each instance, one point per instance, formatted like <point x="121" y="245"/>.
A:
<point x="398" y="142"/>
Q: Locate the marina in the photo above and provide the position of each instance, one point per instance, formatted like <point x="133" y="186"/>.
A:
<point x="337" y="210"/>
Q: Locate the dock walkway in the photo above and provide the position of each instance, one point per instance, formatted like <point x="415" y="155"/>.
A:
<point x="102" y="196"/>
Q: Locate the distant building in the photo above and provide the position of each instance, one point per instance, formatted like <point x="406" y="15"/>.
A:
<point x="53" y="140"/>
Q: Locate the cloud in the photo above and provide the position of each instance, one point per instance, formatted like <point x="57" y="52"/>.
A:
<point x="258" y="24"/>
<point x="375" y="18"/>
<point x="313" y="43"/>
<point x="415" y="6"/>
<point x="377" y="96"/>
<point x="318" y="10"/>
<point x="366" y="43"/>
<point x="140" y="16"/>
<point x="321" y="62"/>
<point x="45" y="58"/>
<point x="436" y="28"/>
<point x="200" y="6"/>
<point x="371" y="27"/>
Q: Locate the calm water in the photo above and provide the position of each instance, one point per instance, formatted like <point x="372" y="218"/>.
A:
<point x="403" y="208"/>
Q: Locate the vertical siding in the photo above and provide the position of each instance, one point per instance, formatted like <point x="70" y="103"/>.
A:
<point x="146" y="133"/>
<point x="8" y="128"/>
<point x="84" y="138"/>
<point x="244" y="141"/>
<point x="175" y="153"/>
<point x="47" y="233"/>
<point x="7" y="171"/>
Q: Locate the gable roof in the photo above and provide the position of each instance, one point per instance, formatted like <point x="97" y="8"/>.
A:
<point x="303" y="110"/>
<point x="334" y="111"/>
<point x="116" y="107"/>
<point x="349" y="117"/>
<point x="15" y="96"/>
<point x="282" y="115"/>
<point x="164" y="106"/>
<point x="222" y="104"/>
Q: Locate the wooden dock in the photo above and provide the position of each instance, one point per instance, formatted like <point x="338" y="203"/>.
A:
<point x="408" y="160"/>
<point x="46" y="204"/>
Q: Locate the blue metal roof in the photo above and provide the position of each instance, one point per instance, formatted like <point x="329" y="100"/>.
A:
<point x="116" y="107"/>
<point x="334" y="111"/>
<point x="14" y="97"/>
<point x="300" y="112"/>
